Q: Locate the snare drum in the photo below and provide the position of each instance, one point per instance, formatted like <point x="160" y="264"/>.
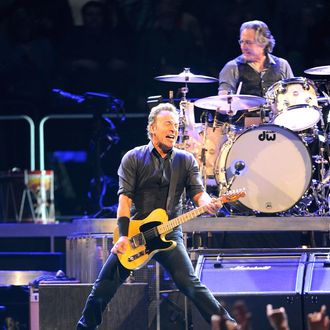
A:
<point x="205" y="144"/>
<point x="277" y="172"/>
<point x="293" y="103"/>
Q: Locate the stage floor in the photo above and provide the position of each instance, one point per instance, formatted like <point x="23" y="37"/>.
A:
<point x="235" y="223"/>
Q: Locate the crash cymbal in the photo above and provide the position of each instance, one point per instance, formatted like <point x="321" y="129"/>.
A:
<point x="224" y="103"/>
<point x="319" y="70"/>
<point x="186" y="77"/>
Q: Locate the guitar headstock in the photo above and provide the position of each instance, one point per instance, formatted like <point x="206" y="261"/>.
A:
<point x="233" y="195"/>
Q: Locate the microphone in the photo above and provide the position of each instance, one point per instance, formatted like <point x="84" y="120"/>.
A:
<point x="239" y="166"/>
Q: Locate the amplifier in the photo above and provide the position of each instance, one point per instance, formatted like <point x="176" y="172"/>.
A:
<point x="58" y="306"/>
<point x="247" y="283"/>
<point x="86" y="254"/>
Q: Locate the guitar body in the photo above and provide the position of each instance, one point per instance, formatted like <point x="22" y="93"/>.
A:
<point x="145" y="240"/>
<point x="147" y="237"/>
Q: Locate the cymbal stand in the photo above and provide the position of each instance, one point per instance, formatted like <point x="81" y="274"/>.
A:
<point x="230" y="112"/>
<point x="182" y="116"/>
<point x="204" y="117"/>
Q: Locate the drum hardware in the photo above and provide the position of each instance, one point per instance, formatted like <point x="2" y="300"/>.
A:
<point x="264" y="113"/>
<point x="309" y="136"/>
<point x="182" y="126"/>
<point x="204" y="150"/>
<point x="324" y="99"/>
<point x="319" y="159"/>
<point x="317" y="200"/>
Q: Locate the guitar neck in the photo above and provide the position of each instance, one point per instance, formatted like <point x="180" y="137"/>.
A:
<point x="169" y="225"/>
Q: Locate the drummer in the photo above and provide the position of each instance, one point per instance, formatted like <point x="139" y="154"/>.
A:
<point x="253" y="72"/>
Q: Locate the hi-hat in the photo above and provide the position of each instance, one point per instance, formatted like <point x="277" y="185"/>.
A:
<point x="319" y="70"/>
<point x="232" y="102"/>
<point x="186" y="77"/>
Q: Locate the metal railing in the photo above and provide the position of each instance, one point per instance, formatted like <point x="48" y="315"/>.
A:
<point x="32" y="135"/>
<point x="69" y="117"/>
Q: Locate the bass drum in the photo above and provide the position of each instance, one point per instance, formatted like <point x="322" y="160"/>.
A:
<point x="277" y="172"/>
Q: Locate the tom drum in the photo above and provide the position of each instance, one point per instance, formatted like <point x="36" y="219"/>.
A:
<point x="293" y="103"/>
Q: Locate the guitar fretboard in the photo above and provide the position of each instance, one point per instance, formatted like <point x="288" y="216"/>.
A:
<point x="169" y="225"/>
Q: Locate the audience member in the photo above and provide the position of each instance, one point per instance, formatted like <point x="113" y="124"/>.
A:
<point x="94" y="57"/>
<point x="218" y="323"/>
<point x="318" y="320"/>
<point x="278" y="318"/>
<point x="28" y="59"/>
<point x="242" y="315"/>
<point x="166" y="48"/>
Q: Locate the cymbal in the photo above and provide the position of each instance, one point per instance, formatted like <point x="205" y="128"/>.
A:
<point x="224" y="103"/>
<point x="319" y="70"/>
<point x="186" y="77"/>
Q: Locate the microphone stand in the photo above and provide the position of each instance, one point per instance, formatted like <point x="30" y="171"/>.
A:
<point x="239" y="166"/>
<point x="203" y="152"/>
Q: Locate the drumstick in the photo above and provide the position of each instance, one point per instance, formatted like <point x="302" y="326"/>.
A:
<point x="239" y="88"/>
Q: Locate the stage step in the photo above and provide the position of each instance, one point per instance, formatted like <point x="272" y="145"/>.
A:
<point x="22" y="278"/>
<point x="45" y="261"/>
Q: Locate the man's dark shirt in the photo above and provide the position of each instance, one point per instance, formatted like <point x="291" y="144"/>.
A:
<point x="145" y="178"/>
<point x="253" y="82"/>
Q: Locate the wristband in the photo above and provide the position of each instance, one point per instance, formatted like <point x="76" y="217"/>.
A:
<point x="123" y="225"/>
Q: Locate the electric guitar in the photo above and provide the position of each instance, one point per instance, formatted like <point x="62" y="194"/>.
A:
<point x="147" y="237"/>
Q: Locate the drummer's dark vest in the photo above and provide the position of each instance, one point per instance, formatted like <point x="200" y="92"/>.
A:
<point x="253" y="83"/>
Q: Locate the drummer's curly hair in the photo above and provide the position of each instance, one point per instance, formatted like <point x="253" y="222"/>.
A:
<point x="263" y="34"/>
<point x="156" y="110"/>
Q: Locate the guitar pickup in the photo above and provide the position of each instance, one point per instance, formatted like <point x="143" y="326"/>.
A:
<point x="137" y="240"/>
<point x="136" y="256"/>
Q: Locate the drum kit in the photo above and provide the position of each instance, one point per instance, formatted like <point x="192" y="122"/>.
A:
<point x="281" y="157"/>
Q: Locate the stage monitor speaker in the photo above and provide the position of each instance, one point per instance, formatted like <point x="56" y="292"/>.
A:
<point x="60" y="307"/>
<point x="14" y="306"/>
<point x="245" y="284"/>
<point x="317" y="283"/>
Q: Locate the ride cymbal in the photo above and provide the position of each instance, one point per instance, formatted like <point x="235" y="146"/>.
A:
<point x="232" y="102"/>
<point x="319" y="70"/>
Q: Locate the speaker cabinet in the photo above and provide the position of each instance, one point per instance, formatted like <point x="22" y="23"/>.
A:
<point x="60" y="307"/>
<point x="86" y="254"/>
<point x="317" y="283"/>
<point x="14" y="306"/>
<point x="246" y="284"/>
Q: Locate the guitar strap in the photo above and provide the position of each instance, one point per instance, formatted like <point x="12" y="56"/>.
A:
<point x="175" y="171"/>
